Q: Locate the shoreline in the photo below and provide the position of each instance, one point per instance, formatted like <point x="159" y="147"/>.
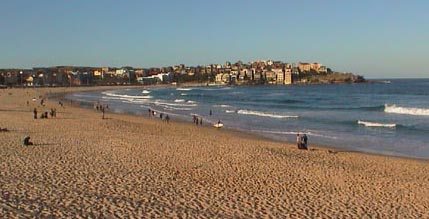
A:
<point x="243" y="133"/>
<point x="129" y="166"/>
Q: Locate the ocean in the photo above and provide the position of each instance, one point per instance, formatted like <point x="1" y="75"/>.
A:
<point x="381" y="118"/>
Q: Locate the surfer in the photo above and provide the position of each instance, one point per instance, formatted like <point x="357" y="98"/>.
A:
<point x="219" y="124"/>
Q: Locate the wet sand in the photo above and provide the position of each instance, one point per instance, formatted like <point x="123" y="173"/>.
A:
<point x="137" y="167"/>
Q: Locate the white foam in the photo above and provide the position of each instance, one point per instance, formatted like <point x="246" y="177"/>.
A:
<point x="183" y="94"/>
<point x="406" y="110"/>
<point x="256" y="113"/>
<point x="183" y="89"/>
<point x="119" y="96"/>
<point x="145" y="92"/>
<point x="179" y="100"/>
<point x="230" y="111"/>
<point x="310" y="133"/>
<point x="190" y="101"/>
<point x="222" y="105"/>
<point x="160" y="103"/>
<point x="375" y="124"/>
<point x="177" y="108"/>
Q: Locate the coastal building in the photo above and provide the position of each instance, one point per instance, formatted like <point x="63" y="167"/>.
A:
<point x="218" y="78"/>
<point x="140" y="72"/>
<point x="323" y="69"/>
<point x="270" y="77"/>
<point x="97" y="73"/>
<point x="304" y="67"/>
<point x="121" y="71"/>
<point x="295" y="70"/>
<point x="288" y="76"/>
<point x="244" y="74"/>
<point x="158" y="78"/>
<point x="226" y="78"/>
<point x="280" y="79"/>
<point x="315" y="66"/>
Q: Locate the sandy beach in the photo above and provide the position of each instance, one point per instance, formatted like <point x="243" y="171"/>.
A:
<point x="82" y="166"/>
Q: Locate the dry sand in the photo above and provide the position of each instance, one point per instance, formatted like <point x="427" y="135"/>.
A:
<point x="135" y="167"/>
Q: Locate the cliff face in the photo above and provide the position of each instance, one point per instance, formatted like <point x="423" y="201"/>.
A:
<point x="331" y="78"/>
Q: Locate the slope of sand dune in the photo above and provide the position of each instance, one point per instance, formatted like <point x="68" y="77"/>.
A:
<point x="137" y="167"/>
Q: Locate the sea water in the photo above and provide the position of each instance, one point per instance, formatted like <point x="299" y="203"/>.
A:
<point x="383" y="118"/>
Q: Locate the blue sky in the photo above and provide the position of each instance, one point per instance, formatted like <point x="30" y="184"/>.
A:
<point x="372" y="38"/>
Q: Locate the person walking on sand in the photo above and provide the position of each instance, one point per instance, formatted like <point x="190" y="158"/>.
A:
<point x="35" y="113"/>
<point x="201" y="120"/>
<point x="167" y="118"/>
<point x="298" y="141"/>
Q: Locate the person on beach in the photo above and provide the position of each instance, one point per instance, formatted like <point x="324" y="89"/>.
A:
<point x="305" y="141"/>
<point x="102" y="110"/>
<point x="161" y="115"/>
<point x="210" y="113"/>
<point x="46" y="114"/>
<point x="201" y="120"/>
<point x="35" y="113"/>
<point x="298" y="141"/>
<point x="167" y="118"/>
<point x="4" y="130"/>
<point x="27" y="141"/>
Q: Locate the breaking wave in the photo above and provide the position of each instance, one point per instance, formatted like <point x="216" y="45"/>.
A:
<point x="406" y="110"/>
<point x="222" y="106"/>
<point x="145" y="92"/>
<point x="123" y="96"/>
<point x="376" y="124"/>
<point x="183" y="89"/>
<point x="256" y="113"/>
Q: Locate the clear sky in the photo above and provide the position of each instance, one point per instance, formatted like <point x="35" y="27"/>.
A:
<point x="374" y="38"/>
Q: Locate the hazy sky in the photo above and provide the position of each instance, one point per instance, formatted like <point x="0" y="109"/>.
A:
<point x="373" y="38"/>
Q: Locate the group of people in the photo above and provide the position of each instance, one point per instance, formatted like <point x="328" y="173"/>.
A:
<point x="162" y="116"/>
<point x="44" y="115"/>
<point x="301" y="141"/>
<point x="101" y="108"/>
<point x="197" y="120"/>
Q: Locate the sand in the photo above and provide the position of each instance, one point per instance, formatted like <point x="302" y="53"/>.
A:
<point x="82" y="166"/>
